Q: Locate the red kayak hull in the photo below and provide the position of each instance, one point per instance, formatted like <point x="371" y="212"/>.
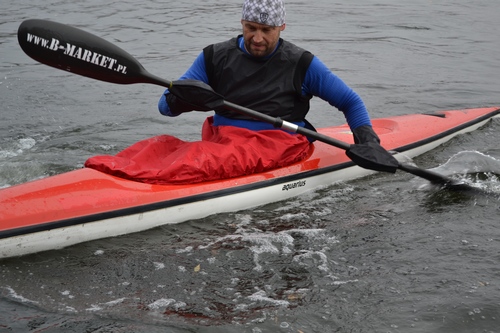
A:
<point x="40" y="210"/>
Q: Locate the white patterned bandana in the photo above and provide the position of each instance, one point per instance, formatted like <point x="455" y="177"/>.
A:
<point x="268" y="12"/>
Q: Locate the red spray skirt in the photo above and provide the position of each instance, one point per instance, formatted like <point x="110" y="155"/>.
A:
<point x="224" y="152"/>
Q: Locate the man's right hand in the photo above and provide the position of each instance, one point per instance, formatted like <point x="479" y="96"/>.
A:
<point x="191" y="95"/>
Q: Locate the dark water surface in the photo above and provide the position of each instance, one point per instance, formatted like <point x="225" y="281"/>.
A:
<point x="388" y="253"/>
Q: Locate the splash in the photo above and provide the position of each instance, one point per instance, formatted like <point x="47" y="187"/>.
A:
<point x="17" y="148"/>
<point x="474" y="168"/>
<point x="14" y="295"/>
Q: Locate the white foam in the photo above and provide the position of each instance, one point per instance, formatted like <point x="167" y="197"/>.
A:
<point x="115" y="302"/>
<point x="291" y="217"/>
<point x="159" y="265"/>
<point x="94" y="308"/>
<point x="70" y="309"/>
<point x="99" y="307"/>
<point x="7" y="154"/>
<point x="260" y="296"/>
<point x="26" y="143"/>
<point x="277" y="243"/>
<point x="107" y="147"/>
<point x="185" y="250"/>
<point x="16" y="296"/>
<point x="18" y="148"/>
<point x="339" y="283"/>
<point x="211" y="260"/>
<point x="323" y="259"/>
<point x="243" y="219"/>
<point x="163" y="303"/>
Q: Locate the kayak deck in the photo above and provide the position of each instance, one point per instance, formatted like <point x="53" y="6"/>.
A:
<point x="86" y="204"/>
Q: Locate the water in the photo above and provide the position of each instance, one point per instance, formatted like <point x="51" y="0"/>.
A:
<point x="388" y="253"/>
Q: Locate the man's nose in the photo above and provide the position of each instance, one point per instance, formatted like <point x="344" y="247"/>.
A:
<point x="258" y="37"/>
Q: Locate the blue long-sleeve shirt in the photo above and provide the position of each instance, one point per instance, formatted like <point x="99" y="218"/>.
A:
<point x="319" y="81"/>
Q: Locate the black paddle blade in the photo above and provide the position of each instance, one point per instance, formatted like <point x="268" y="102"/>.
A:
<point x="74" y="50"/>
<point x="437" y="178"/>
<point x="372" y="156"/>
<point x="197" y="93"/>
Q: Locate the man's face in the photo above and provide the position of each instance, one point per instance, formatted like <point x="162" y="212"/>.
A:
<point x="260" y="40"/>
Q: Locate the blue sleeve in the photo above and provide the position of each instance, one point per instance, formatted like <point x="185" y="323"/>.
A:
<point x="197" y="71"/>
<point x="321" y="82"/>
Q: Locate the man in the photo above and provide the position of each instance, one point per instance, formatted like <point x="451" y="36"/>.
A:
<point x="257" y="70"/>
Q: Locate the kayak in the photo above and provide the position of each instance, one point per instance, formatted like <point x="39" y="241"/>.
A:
<point x="85" y="204"/>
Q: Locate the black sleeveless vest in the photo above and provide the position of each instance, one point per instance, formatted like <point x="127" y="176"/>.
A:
<point x="272" y="86"/>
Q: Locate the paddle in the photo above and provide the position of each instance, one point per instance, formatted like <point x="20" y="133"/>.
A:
<point x="74" y="50"/>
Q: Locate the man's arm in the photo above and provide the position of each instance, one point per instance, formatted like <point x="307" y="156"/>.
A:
<point x="197" y="71"/>
<point x="321" y="82"/>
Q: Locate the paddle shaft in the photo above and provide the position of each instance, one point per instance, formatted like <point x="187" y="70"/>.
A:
<point x="288" y="126"/>
<point x="74" y="50"/>
<point x="279" y="123"/>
